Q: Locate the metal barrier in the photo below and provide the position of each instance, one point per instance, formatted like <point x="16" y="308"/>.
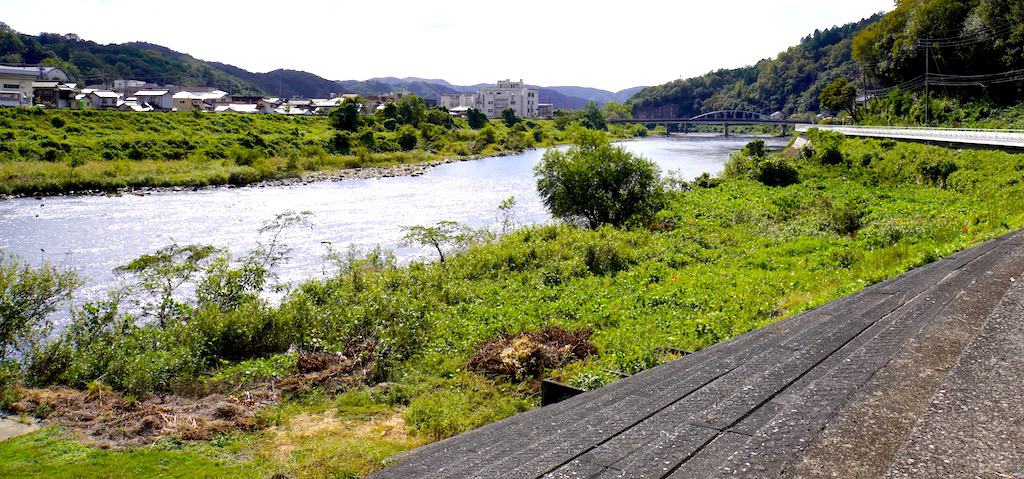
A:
<point x="1004" y="138"/>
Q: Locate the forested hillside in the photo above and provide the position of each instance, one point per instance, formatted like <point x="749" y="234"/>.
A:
<point x="89" y="62"/>
<point x="789" y="83"/>
<point x="975" y="48"/>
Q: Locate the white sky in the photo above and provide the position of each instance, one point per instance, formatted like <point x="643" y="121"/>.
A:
<point x="549" y="43"/>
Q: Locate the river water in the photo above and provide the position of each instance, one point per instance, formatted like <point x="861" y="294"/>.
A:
<point x="95" y="234"/>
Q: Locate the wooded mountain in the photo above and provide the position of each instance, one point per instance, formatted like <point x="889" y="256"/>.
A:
<point x="92" y="63"/>
<point x="789" y="83"/>
<point x="975" y="48"/>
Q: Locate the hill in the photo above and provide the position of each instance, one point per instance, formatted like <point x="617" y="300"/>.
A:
<point x="973" y="48"/>
<point x="789" y="83"/>
<point x="88" y="62"/>
<point x="92" y="63"/>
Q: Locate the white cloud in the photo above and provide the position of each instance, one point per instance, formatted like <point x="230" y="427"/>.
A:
<point x="544" y="42"/>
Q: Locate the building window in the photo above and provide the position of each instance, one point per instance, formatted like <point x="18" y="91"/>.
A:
<point x="13" y="87"/>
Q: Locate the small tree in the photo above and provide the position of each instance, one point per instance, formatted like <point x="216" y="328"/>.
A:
<point x="476" y="118"/>
<point x="597" y="183"/>
<point x="510" y="118"/>
<point x="617" y="111"/>
<point x="27" y="296"/>
<point x="407" y="138"/>
<point x="839" y="95"/>
<point x="160" y="274"/>
<point x="592" y="117"/>
<point x="446" y="237"/>
<point x="346" y="116"/>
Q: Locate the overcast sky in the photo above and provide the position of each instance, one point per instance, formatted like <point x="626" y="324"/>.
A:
<point x="551" y="42"/>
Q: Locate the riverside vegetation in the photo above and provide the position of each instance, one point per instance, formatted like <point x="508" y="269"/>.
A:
<point x="377" y="358"/>
<point x="45" y="152"/>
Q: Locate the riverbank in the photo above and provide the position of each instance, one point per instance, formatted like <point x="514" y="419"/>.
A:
<point x="46" y="153"/>
<point x="303" y="178"/>
<point x="450" y="347"/>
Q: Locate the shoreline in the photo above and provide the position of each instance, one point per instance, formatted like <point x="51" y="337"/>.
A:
<point x="361" y="173"/>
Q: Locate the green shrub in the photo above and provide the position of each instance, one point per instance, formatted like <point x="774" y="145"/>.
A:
<point x="776" y="172"/>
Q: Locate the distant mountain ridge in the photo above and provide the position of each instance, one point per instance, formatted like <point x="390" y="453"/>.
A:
<point x="93" y="63"/>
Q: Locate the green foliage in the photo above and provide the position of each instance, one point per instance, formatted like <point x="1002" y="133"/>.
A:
<point x="597" y="183"/>
<point x="105" y="150"/>
<point x="839" y="95"/>
<point x="790" y="83"/>
<point x="459" y="405"/>
<point x="753" y="163"/>
<point x="509" y="117"/>
<point x="346" y="117"/>
<point x="444" y="237"/>
<point x="889" y="52"/>
<point x="407" y="138"/>
<point x="161" y="273"/>
<point x="28" y="296"/>
<point x="592" y="117"/>
<point x="476" y="118"/>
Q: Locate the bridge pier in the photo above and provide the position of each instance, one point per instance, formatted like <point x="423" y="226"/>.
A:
<point x="784" y="128"/>
<point x="726" y="125"/>
<point x="686" y="128"/>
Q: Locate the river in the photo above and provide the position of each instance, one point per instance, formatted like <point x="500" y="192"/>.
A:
<point x="95" y="234"/>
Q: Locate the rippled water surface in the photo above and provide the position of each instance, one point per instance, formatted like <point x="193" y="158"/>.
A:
<point x="96" y="233"/>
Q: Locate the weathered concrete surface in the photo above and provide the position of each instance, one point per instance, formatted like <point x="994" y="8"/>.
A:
<point x="863" y="438"/>
<point x="974" y="424"/>
<point x="833" y="392"/>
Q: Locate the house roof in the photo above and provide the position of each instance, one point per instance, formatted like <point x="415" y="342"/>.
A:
<point x="214" y="95"/>
<point x="187" y="95"/>
<point x="45" y="84"/>
<point x="151" y="92"/>
<point x="20" y="71"/>
<point x="237" y="108"/>
<point x="104" y="94"/>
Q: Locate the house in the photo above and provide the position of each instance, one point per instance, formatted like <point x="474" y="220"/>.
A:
<point x="287" y="109"/>
<point x="158" y="99"/>
<point x="132" y="104"/>
<point x="188" y="101"/>
<point x="493" y="100"/>
<point x="216" y="97"/>
<point x="237" y="108"/>
<point x="16" y="85"/>
<point x="459" y="111"/>
<point x="54" y="94"/>
<point x="98" y="99"/>
<point x="324" y="107"/>
<point x="545" y="111"/>
<point x="52" y="74"/>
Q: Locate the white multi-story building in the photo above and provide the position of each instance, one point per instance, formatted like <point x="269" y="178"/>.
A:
<point x="493" y="100"/>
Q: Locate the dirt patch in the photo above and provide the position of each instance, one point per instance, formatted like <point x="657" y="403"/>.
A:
<point x="528" y="355"/>
<point x="108" y="419"/>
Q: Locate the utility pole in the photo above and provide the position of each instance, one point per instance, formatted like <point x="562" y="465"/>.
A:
<point x="927" y="89"/>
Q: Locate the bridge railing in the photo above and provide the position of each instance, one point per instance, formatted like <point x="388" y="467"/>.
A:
<point x="1012" y="138"/>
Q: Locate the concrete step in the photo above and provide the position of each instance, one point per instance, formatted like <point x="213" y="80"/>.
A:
<point x="973" y="425"/>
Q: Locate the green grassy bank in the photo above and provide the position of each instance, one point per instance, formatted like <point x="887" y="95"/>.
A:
<point x="46" y="152"/>
<point x="775" y="235"/>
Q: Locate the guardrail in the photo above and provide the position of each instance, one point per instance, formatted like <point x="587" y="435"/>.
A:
<point x="1003" y="138"/>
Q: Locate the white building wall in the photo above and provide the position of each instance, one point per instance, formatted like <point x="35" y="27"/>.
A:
<point x="508" y="94"/>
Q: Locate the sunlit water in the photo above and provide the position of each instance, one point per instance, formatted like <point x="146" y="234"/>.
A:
<point x="95" y="234"/>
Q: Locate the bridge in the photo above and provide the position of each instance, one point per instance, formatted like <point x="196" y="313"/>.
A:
<point x="918" y="376"/>
<point x="725" y="118"/>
